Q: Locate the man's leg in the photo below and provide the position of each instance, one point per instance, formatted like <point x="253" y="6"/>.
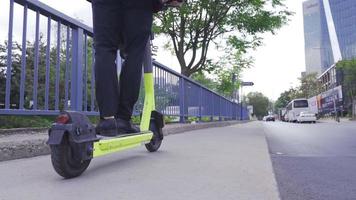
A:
<point x="106" y="20"/>
<point x="107" y="17"/>
<point x="137" y="30"/>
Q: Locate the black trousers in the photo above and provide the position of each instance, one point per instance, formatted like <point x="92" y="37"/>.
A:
<point x="124" y="25"/>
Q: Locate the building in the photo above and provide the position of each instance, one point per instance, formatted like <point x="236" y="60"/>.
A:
<point x="330" y="33"/>
<point x="330" y="36"/>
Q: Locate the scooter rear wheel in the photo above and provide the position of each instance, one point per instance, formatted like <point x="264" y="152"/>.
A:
<point x="156" y="140"/>
<point x="64" y="162"/>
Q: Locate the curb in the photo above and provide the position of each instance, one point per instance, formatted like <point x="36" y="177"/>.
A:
<point x="331" y="120"/>
<point x="26" y="143"/>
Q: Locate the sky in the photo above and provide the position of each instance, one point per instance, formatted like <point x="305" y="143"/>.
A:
<point x="278" y="63"/>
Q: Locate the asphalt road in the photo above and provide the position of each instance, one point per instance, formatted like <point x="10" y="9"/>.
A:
<point x="313" y="161"/>
<point x="219" y="163"/>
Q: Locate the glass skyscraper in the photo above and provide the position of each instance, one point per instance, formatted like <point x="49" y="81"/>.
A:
<point x="329" y="32"/>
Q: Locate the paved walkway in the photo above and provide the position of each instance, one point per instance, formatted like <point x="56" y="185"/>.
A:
<point x="228" y="163"/>
<point x="25" y="143"/>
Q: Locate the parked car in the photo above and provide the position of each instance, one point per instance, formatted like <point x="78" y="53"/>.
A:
<point x="306" y="117"/>
<point x="269" y="118"/>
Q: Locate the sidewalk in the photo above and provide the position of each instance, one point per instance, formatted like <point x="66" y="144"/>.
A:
<point x="224" y="163"/>
<point x="25" y="143"/>
<point x="332" y="120"/>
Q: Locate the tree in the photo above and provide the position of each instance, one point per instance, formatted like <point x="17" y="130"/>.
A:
<point x="348" y="69"/>
<point x="201" y="78"/>
<point x="232" y="26"/>
<point x="286" y="97"/>
<point x="310" y="86"/>
<point x="259" y="102"/>
<point x="224" y="80"/>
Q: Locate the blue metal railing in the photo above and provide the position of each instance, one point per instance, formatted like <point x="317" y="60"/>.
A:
<point x="54" y="76"/>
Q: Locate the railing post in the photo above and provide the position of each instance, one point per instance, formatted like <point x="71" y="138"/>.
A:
<point x="200" y="103"/>
<point x="181" y="100"/>
<point x="77" y="70"/>
<point x="9" y="57"/>
<point x="220" y="118"/>
<point x="212" y="106"/>
<point x="232" y="110"/>
<point x="23" y="58"/>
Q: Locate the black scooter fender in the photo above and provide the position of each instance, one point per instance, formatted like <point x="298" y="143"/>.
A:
<point x="79" y="130"/>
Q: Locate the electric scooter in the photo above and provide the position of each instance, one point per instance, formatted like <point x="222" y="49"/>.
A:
<point x="74" y="142"/>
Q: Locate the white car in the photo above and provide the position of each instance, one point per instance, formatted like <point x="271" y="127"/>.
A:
<point x="306" y="117"/>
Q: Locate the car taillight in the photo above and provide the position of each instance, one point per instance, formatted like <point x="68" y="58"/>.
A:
<point x="62" y="119"/>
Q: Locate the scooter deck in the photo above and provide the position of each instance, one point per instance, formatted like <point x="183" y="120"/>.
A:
<point x="107" y="145"/>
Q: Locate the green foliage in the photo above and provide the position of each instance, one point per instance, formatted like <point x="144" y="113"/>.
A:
<point x="192" y="119"/>
<point x="224" y="80"/>
<point x="206" y="119"/>
<point x="201" y="78"/>
<point x="171" y="119"/>
<point x="259" y="102"/>
<point x="235" y="25"/>
<point x="286" y="97"/>
<point x="348" y="69"/>
<point x="310" y="86"/>
<point x="33" y="121"/>
<point x="7" y="122"/>
<point x="227" y="81"/>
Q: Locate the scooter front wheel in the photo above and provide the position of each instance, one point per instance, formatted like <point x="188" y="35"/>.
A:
<point x="64" y="162"/>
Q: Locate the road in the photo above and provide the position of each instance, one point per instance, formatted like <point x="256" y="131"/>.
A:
<point x="219" y="163"/>
<point x="313" y="161"/>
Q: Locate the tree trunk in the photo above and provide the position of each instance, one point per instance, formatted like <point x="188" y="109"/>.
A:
<point x="185" y="71"/>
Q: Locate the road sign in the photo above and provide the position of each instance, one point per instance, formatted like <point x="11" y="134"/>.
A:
<point x="247" y="83"/>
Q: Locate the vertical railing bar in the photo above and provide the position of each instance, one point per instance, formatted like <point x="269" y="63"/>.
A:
<point x="213" y="105"/>
<point x="9" y="56"/>
<point x="200" y="103"/>
<point x="85" y="72"/>
<point x="181" y="100"/>
<point x="171" y="103"/>
<point x="48" y="57"/>
<point x="58" y="65"/>
<point x="35" y="76"/>
<point x="92" y="77"/>
<point x="169" y="110"/>
<point x="175" y="103"/>
<point x="76" y="97"/>
<point x="23" y="57"/>
<point x="165" y="87"/>
<point x="66" y="87"/>
<point x="159" y="84"/>
<point x="155" y="83"/>
<point x="220" y="110"/>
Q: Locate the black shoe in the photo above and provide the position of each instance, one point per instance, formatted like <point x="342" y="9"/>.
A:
<point x="107" y="127"/>
<point x="126" y="126"/>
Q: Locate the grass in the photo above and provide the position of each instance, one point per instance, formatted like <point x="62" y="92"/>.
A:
<point x="7" y="122"/>
<point x="13" y="121"/>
